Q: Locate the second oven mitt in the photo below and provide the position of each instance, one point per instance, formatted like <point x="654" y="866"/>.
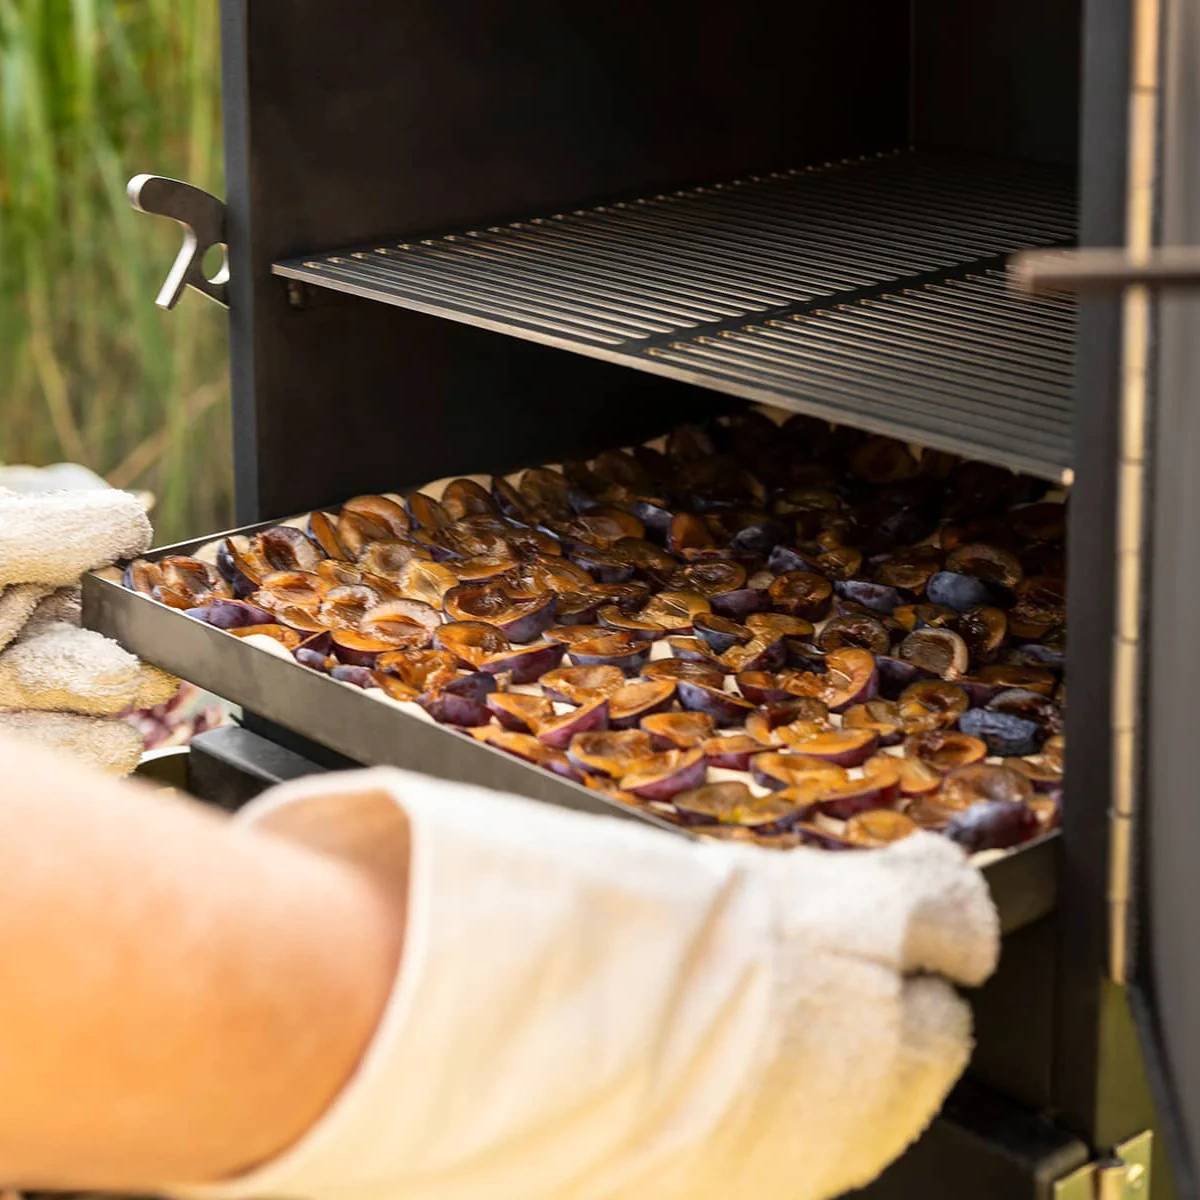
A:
<point x="55" y="537"/>
<point x="588" y="1009"/>
<point x="66" y="669"/>
<point x="108" y="744"/>
<point x="18" y="603"/>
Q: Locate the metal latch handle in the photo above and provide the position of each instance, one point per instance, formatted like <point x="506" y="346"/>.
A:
<point x="202" y="216"/>
<point x="1106" y="270"/>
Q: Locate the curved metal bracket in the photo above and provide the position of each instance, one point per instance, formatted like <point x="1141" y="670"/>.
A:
<point x="202" y="216"/>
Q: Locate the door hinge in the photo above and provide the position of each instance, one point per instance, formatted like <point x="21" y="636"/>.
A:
<point x="1122" y="1175"/>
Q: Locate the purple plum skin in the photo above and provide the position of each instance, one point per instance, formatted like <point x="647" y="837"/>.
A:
<point x="1004" y="733"/>
<point x="724" y="708"/>
<point x="992" y="825"/>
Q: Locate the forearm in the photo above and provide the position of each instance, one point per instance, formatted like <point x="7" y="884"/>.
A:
<point x="180" y="998"/>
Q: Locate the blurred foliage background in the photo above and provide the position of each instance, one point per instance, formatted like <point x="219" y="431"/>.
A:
<point x="92" y="92"/>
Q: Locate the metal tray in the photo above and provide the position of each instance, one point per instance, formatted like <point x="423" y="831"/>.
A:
<point x="346" y="720"/>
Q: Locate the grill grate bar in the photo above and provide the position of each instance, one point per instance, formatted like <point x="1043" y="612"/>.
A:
<point x="871" y="292"/>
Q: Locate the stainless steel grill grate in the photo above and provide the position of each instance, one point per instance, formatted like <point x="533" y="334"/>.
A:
<point x="866" y="291"/>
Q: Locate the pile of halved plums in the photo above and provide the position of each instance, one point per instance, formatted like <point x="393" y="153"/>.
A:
<point x="788" y="635"/>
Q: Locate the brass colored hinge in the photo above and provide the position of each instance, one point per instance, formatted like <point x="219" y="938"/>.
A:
<point x="1123" y="1175"/>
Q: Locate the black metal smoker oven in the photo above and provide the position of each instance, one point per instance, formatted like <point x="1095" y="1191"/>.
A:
<point x="569" y="228"/>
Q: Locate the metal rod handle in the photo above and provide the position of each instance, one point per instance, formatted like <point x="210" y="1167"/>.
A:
<point x="202" y="216"/>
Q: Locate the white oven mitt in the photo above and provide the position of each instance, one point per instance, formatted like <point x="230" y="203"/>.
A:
<point x="588" y="1009"/>
<point x="62" y="668"/>
<point x="18" y="603"/>
<point x="62" y="606"/>
<point x="55" y="537"/>
<point x="111" y="746"/>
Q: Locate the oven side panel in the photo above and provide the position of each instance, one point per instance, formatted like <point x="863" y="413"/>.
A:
<point x="352" y="123"/>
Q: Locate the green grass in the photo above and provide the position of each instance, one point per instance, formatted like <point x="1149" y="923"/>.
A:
<point x="92" y="92"/>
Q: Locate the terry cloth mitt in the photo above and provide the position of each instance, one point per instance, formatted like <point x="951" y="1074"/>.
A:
<point x="587" y="1009"/>
<point x="65" y="669"/>
<point x="112" y="745"/>
<point x="17" y="604"/>
<point x="55" y="537"/>
<point x="63" y="606"/>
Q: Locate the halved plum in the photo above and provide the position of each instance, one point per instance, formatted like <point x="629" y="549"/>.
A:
<point x="355" y="532"/>
<point x="359" y="677"/>
<point x="992" y="825"/>
<point x="524" y="664"/>
<point x="878" y="597"/>
<point x="688" y="536"/>
<point x="896" y="674"/>
<point x="850" y="678"/>
<point x="1004" y="733"/>
<point x="845" y="747"/>
<point x="641" y="698"/>
<point x="925" y="616"/>
<point x="944" y="749"/>
<point x="587" y="718"/>
<point x="313" y="658"/>
<point x="881" y="717"/>
<point x="612" y="649"/>
<point x="682" y="668"/>
<point x="322" y="528"/>
<point x="611" y="753"/>
<point x="426" y="513"/>
<point x="359" y="649"/>
<point x="642" y="628"/>
<point x="679" y="730"/>
<point x="601" y="564"/>
<point x="520" y="619"/>
<point x="389" y="557"/>
<point x="755" y="655"/>
<point x="1031" y="706"/>
<point x="1006" y="676"/>
<point x="724" y="708"/>
<point x="859" y="631"/>
<point x="879" y="827"/>
<point x="579" y="685"/>
<point x="939" y="651"/>
<point x="720" y="633"/>
<point x="994" y="564"/>
<point x="675" y="610"/>
<point x="1041" y="773"/>
<point x="733" y="753"/>
<point x="958" y="591"/>
<point x="520" y="712"/>
<point x="1041" y="606"/>
<point x="466" y="498"/>
<point x="983" y="629"/>
<point x="918" y="778"/>
<point x="285" y="548"/>
<point x="383" y="511"/>
<point x="773" y="626"/>
<point x="231" y="614"/>
<point x="484" y="568"/>
<point x="462" y="701"/>
<point x="778" y="771"/>
<point x="734" y="804"/>
<point x="421" y="670"/>
<point x="668" y="774"/>
<point x="801" y="594"/>
<point x="545" y="573"/>
<point x="304" y="589"/>
<point x="763" y="687"/>
<point x="931" y="705"/>
<point x="602" y="526"/>
<point x="289" y="639"/>
<point x="426" y="581"/>
<point x="522" y="745"/>
<point x="802" y="715"/>
<point x="472" y="642"/>
<point x="344" y="607"/>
